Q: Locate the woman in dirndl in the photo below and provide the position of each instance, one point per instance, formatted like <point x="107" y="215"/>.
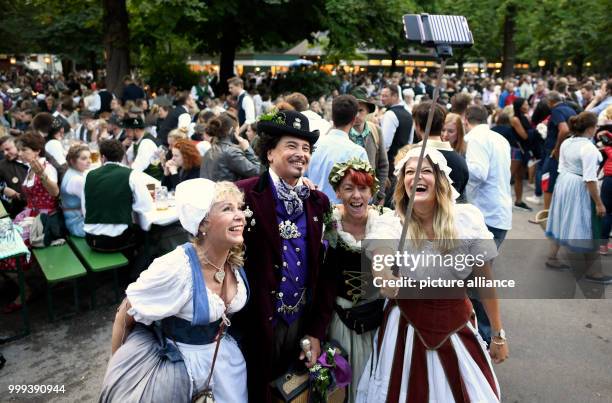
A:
<point x="429" y="350"/>
<point x="40" y="189"/>
<point x="167" y="330"/>
<point x="576" y="206"/>
<point x="357" y="309"/>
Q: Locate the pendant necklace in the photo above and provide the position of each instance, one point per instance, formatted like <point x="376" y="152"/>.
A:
<point x="220" y="274"/>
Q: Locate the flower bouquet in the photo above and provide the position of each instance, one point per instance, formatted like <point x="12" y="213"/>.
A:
<point x="329" y="376"/>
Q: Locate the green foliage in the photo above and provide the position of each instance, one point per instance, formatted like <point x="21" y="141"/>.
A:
<point x="561" y="30"/>
<point x="68" y="28"/>
<point x="364" y="24"/>
<point x="311" y="83"/>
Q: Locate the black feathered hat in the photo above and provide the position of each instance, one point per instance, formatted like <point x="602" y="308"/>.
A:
<point x="286" y="123"/>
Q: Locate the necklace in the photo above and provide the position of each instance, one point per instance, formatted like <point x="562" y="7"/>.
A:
<point x="220" y="274"/>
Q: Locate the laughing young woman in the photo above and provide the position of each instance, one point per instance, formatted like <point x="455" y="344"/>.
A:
<point x="166" y="330"/>
<point x="429" y="350"/>
<point x="357" y="310"/>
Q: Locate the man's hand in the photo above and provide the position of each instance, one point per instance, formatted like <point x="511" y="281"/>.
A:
<point x="11" y="194"/>
<point x="315" y="349"/>
<point x="555" y="153"/>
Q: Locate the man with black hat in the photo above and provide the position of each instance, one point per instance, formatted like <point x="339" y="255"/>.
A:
<point x="292" y="298"/>
<point x="84" y="131"/>
<point x="367" y="134"/>
<point x="142" y="155"/>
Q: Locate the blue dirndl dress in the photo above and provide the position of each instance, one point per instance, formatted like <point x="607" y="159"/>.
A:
<point x="167" y="357"/>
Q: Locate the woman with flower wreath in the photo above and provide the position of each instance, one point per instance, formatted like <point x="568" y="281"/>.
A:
<point x="358" y="311"/>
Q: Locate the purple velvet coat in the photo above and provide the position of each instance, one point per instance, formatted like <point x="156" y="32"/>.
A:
<point x="263" y="260"/>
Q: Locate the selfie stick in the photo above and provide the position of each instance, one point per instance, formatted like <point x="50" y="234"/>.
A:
<point x="440" y="32"/>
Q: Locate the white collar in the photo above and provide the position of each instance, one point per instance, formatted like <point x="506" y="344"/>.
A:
<point x="276" y="179"/>
<point x="337" y="132"/>
<point x="113" y="163"/>
<point x="347" y="237"/>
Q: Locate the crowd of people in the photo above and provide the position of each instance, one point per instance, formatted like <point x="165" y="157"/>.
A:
<point x="278" y="198"/>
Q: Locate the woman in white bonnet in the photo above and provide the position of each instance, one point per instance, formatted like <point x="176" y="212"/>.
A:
<point x="166" y="330"/>
<point x="429" y="350"/>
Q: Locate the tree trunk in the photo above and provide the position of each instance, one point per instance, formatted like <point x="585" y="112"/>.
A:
<point x="509" y="51"/>
<point x="460" y="62"/>
<point x="93" y="65"/>
<point x="579" y="63"/>
<point x="67" y="66"/>
<point x="394" y="55"/>
<point x="116" y="44"/>
<point x="227" y="58"/>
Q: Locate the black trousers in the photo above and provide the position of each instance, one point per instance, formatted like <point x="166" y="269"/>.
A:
<point x="287" y="348"/>
<point x="103" y="243"/>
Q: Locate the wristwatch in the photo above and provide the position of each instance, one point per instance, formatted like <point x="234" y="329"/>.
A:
<point x="499" y="334"/>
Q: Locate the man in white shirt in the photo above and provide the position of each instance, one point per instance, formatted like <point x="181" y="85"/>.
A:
<point x="315" y="121"/>
<point x="488" y="160"/>
<point x="143" y="154"/>
<point x="111" y="194"/>
<point x="336" y="146"/>
<point x="397" y="131"/>
<point x="246" y="106"/>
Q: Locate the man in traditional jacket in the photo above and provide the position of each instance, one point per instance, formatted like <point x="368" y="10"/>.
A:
<point x="143" y="154"/>
<point x="292" y="298"/>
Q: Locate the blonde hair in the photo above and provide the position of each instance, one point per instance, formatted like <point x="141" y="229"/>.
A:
<point x="227" y="191"/>
<point x="460" y="145"/>
<point x="444" y="218"/>
<point x="608" y="113"/>
<point x="178" y="134"/>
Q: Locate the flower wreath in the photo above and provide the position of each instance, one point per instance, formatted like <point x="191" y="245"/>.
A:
<point x="338" y="172"/>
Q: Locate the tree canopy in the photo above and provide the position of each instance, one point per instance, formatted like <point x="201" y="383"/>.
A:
<point x="159" y="35"/>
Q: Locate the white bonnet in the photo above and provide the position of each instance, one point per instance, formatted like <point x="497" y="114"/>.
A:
<point x="194" y="198"/>
<point x="436" y="157"/>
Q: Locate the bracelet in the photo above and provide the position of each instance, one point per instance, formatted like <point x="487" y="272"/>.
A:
<point x="499" y="343"/>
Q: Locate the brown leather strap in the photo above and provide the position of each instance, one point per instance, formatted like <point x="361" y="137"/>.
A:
<point x="218" y="337"/>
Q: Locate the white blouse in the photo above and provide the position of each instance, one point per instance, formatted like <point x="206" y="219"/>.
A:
<point x="166" y="289"/>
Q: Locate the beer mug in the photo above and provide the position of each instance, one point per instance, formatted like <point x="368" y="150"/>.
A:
<point x="94" y="152"/>
<point x="161" y="198"/>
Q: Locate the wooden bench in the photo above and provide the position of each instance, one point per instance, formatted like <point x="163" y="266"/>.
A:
<point x="58" y="264"/>
<point x="98" y="262"/>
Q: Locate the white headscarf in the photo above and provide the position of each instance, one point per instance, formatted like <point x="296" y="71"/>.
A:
<point x="194" y="199"/>
<point x="436" y="157"/>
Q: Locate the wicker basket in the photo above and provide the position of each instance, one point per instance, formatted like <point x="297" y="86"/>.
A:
<point x="542" y="218"/>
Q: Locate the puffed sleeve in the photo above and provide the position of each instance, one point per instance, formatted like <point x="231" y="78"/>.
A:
<point x="471" y="226"/>
<point x="591" y="158"/>
<point x="162" y="290"/>
<point x="384" y="233"/>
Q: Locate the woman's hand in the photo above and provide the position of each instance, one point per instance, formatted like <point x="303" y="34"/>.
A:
<point x="171" y="167"/>
<point x="309" y="184"/>
<point x="37" y="167"/>
<point x="499" y="352"/>
<point x="242" y="142"/>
